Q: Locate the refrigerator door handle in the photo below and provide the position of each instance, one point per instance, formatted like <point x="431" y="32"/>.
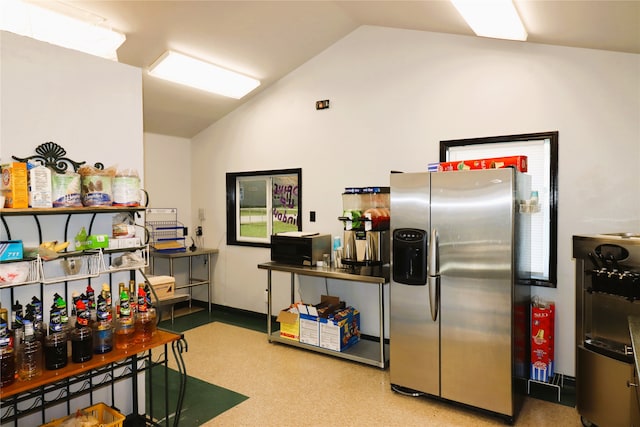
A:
<point x="433" y="256"/>
<point x="433" y="280"/>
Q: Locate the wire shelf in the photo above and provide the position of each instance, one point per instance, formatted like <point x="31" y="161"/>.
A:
<point x="16" y="273"/>
<point x="132" y="259"/>
<point x="166" y="233"/>
<point x="71" y="266"/>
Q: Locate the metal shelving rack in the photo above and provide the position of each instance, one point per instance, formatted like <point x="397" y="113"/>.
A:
<point x="24" y="398"/>
<point x="375" y="353"/>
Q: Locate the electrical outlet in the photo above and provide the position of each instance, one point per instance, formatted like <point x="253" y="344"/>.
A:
<point x="312" y="216"/>
<point x="199" y="230"/>
<point x="322" y="105"/>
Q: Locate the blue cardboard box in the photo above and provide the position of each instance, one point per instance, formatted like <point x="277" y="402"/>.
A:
<point x="11" y="250"/>
<point x="341" y="330"/>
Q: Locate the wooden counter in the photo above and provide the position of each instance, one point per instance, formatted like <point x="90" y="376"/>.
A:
<point x="97" y="361"/>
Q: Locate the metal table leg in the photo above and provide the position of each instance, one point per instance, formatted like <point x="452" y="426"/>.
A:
<point x="381" y="305"/>
<point x="178" y="348"/>
<point x="209" y="279"/>
<point x="293" y="287"/>
<point x="269" y="304"/>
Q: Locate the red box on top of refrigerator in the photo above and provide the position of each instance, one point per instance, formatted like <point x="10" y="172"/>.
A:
<point x="517" y="162"/>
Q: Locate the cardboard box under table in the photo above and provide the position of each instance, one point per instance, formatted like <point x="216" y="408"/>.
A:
<point x="340" y="331"/>
<point x="164" y="286"/>
<point x="310" y="316"/>
<point x="309" y="325"/>
<point x="289" y="320"/>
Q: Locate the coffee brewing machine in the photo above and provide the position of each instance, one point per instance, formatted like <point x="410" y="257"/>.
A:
<point x="365" y="216"/>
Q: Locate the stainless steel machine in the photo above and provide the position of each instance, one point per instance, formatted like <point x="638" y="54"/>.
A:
<point x="607" y="294"/>
<point x="365" y="216"/>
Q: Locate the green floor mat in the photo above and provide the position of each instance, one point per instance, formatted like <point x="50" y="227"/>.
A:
<point x="202" y="401"/>
<point x="248" y="321"/>
<point x="199" y="318"/>
<point x="184" y="323"/>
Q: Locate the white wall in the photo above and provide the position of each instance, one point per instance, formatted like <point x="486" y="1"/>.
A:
<point x="394" y="95"/>
<point x="167" y="172"/>
<point x="90" y="106"/>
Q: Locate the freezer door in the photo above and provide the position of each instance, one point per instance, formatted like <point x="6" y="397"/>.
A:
<point x="473" y="213"/>
<point x="413" y="336"/>
<point x="603" y="393"/>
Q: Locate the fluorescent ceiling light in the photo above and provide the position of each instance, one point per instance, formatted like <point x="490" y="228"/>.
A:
<point x="492" y="18"/>
<point x="189" y="71"/>
<point x="86" y="32"/>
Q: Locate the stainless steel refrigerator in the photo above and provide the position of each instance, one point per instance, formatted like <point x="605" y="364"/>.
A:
<point x="459" y="298"/>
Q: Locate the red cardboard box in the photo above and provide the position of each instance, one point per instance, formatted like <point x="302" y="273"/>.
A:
<point x="518" y="162"/>
<point x="541" y="367"/>
<point x="542" y="340"/>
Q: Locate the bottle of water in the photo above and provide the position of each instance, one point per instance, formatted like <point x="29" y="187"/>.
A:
<point x="30" y="355"/>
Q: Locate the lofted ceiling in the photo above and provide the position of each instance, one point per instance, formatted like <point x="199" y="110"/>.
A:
<point x="268" y="39"/>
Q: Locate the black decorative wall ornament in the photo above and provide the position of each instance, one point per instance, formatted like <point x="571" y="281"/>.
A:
<point x="53" y="155"/>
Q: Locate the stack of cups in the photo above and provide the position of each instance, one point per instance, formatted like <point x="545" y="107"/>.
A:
<point x="337" y="252"/>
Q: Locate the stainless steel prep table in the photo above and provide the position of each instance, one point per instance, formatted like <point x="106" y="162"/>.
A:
<point x="365" y="351"/>
<point x="191" y="281"/>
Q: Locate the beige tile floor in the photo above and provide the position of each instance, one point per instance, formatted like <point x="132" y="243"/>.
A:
<point x="288" y="386"/>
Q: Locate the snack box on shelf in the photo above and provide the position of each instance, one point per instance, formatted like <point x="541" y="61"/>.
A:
<point x="14" y="185"/>
<point x="124" y="243"/>
<point x="11" y="250"/>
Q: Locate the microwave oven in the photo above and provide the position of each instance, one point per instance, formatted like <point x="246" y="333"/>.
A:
<point x="299" y="249"/>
